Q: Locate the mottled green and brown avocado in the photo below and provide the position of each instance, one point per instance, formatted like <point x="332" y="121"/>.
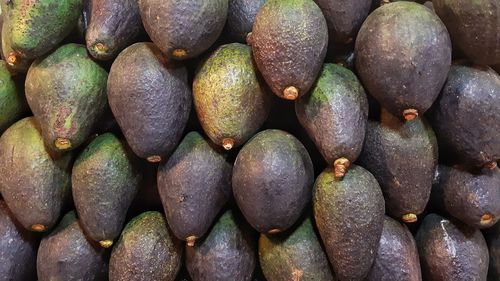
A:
<point x="352" y="207"/>
<point x="194" y="185"/>
<point x="12" y="102"/>
<point x="230" y="99"/>
<point x="67" y="254"/>
<point x="294" y="255"/>
<point x="403" y="55"/>
<point x="151" y="100"/>
<point x="105" y="180"/>
<point x="240" y="18"/>
<point x="67" y="93"/>
<point x="289" y="41"/>
<point x="16" y="64"/>
<point x="335" y="114"/>
<point x="227" y="253"/>
<point x="146" y="251"/>
<point x="35" y="182"/>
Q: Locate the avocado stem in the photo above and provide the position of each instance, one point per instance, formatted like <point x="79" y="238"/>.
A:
<point x="38" y="227"/>
<point x="383" y="2"/>
<point x="62" y="143"/>
<point x="106" y="243"/>
<point x="410" y="114"/>
<point x="491" y="165"/>
<point x="340" y="167"/>
<point x="12" y="58"/>
<point x="291" y="93"/>
<point x="154" y="159"/>
<point x="190" y="240"/>
<point x="248" y="39"/>
<point x="100" y="48"/>
<point x="179" y="53"/>
<point x="409" y="218"/>
<point x="227" y="143"/>
<point x="274" y="231"/>
<point x="486" y="219"/>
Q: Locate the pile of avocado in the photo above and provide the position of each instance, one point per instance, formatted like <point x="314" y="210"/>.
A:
<point x="250" y="140"/>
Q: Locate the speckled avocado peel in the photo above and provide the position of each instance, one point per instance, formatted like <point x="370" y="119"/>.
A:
<point x="12" y="103"/>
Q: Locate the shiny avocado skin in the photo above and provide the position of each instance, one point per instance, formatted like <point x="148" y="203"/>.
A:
<point x="240" y="18"/>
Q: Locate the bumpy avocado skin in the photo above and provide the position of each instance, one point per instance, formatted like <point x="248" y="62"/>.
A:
<point x="150" y="98"/>
<point x="352" y="207"/>
<point x="451" y="251"/>
<point x="227" y="253"/>
<point x="18" y="247"/>
<point x="403" y="157"/>
<point x="403" y="54"/>
<point x="465" y="117"/>
<point x="230" y="100"/>
<point x="335" y="113"/>
<point x="12" y="102"/>
<point x="188" y="25"/>
<point x="289" y="41"/>
<point x="37" y="26"/>
<point x="67" y="254"/>
<point x="146" y="251"/>
<point x="272" y="180"/>
<point x="194" y="184"/>
<point x="294" y="255"/>
<point x="20" y="65"/>
<point x="105" y="180"/>
<point x="35" y="182"/>
<point x="397" y="255"/>
<point x="240" y="18"/>
<point x="67" y="93"/>
<point x="493" y="239"/>
<point x="115" y="24"/>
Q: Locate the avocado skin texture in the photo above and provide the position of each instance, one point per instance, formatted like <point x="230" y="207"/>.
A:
<point x="12" y="103"/>
<point x="35" y="182"/>
<point x="105" y="180"/>
<point x="189" y="25"/>
<point x="150" y="98"/>
<point x="230" y="100"/>
<point x="294" y="255"/>
<point x="467" y="196"/>
<point x="67" y="93"/>
<point x="397" y="255"/>
<point x="272" y="180"/>
<point x="403" y="72"/>
<point x="403" y="157"/>
<point x="335" y="113"/>
<point x="67" y="254"/>
<point x="227" y="253"/>
<point x="146" y="251"/>
<point x="194" y="184"/>
<point x="473" y="27"/>
<point x="22" y="64"/>
<point x="352" y="207"/>
<point x="451" y="251"/>
<point x="240" y="18"/>
<point x="35" y="27"/>
<point x="18" y="247"/>
<point x="493" y="239"/>
<point x="114" y="23"/>
<point x="289" y="42"/>
<point x="465" y="117"/>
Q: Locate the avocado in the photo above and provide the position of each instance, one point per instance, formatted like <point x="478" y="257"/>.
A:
<point x="16" y="64"/>
<point x="146" y="251"/>
<point x="67" y="93"/>
<point x="465" y="117"/>
<point x="230" y="101"/>
<point x="37" y="26"/>
<point x="12" y="102"/>
<point x="105" y="180"/>
<point x="352" y="207"/>
<point x="194" y="184"/>
<point x="334" y="115"/>
<point x="403" y="72"/>
<point x="294" y="255"/>
<point x="289" y="41"/>
<point x="240" y="18"/>
<point x="183" y="29"/>
<point x="403" y="157"/>
<point x="227" y="253"/>
<point x="151" y="100"/>
<point x="35" y="181"/>
<point x="18" y="247"/>
<point x="67" y="254"/>
<point x="113" y="26"/>
<point x="493" y="239"/>
<point x="451" y="251"/>
<point x="397" y="255"/>
<point x="272" y="180"/>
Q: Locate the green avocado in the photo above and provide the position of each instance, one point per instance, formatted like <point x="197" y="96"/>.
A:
<point x="12" y="102"/>
<point x="16" y="64"/>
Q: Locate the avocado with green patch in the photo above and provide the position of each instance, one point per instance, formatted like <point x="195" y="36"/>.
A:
<point x="350" y="208"/>
<point x="16" y="64"/>
<point x="227" y="253"/>
<point x="67" y="254"/>
<point x="230" y="99"/>
<point x="150" y="99"/>
<point x="334" y="115"/>
<point x="289" y="41"/>
<point x="35" y="181"/>
<point x="240" y="18"/>
<point x="146" y="251"/>
<point x="194" y="185"/>
<point x="67" y="93"/>
<point x="12" y="102"/>
<point x="493" y="240"/>
<point x="105" y="180"/>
